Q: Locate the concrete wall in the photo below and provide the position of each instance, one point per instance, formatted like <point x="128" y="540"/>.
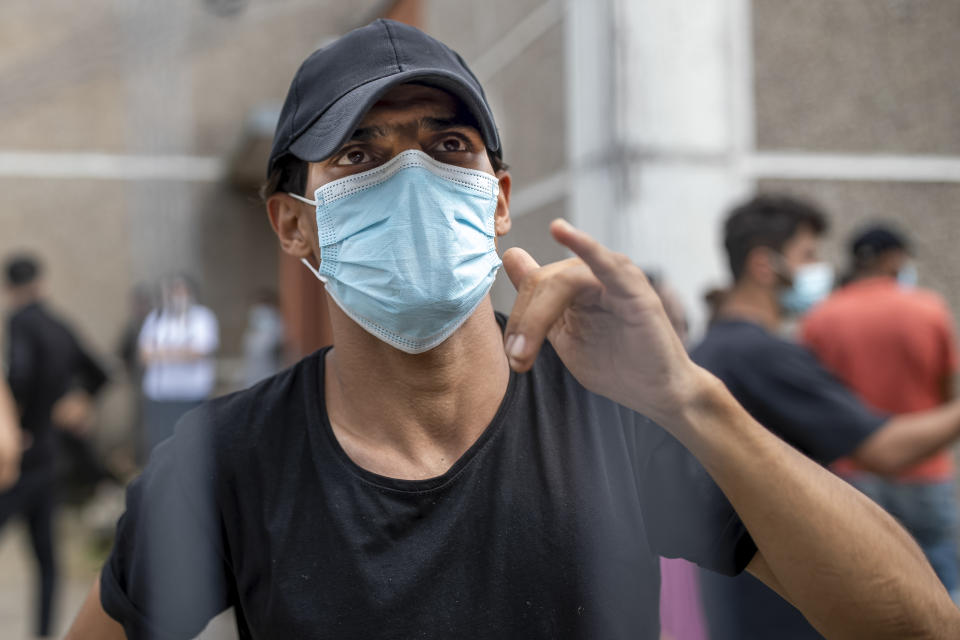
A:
<point x="171" y="83"/>
<point x="858" y="75"/>
<point x="868" y="77"/>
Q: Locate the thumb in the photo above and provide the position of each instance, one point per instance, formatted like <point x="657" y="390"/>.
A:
<point x="518" y="263"/>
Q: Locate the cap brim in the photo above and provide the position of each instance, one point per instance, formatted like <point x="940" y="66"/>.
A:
<point x="335" y="126"/>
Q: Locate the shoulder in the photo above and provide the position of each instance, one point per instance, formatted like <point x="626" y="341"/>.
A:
<point x="203" y="314"/>
<point x="749" y="357"/>
<point x="39" y="321"/>
<point x="822" y="313"/>
<point x="251" y="422"/>
<point x="151" y="320"/>
<point x="930" y="301"/>
<point x="735" y="342"/>
<point x="19" y="319"/>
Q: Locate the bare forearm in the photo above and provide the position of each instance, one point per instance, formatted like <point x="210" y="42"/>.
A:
<point x="9" y="427"/>
<point x="908" y="439"/>
<point x="10" y="439"/>
<point x="93" y="623"/>
<point x="848" y="566"/>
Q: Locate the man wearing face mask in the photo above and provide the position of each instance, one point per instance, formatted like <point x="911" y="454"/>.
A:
<point x="894" y="345"/>
<point x="772" y="244"/>
<point x="444" y="472"/>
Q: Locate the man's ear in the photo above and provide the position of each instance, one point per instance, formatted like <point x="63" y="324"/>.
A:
<point x="501" y="217"/>
<point x="293" y="227"/>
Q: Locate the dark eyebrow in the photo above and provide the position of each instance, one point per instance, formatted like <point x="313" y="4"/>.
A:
<point x="441" y="124"/>
<point x="364" y="134"/>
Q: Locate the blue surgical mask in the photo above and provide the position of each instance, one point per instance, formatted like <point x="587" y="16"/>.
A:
<point x="811" y="284"/>
<point x="407" y="249"/>
<point x="907" y="276"/>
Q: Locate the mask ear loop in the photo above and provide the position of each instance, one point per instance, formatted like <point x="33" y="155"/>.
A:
<point x="315" y="272"/>
<point x="302" y="199"/>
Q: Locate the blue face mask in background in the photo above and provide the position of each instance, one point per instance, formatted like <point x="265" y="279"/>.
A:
<point x="407" y="249"/>
<point x="811" y="283"/>
<point x="908" y="277"/>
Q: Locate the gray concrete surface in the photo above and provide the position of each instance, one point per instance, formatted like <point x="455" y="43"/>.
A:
<point x="79" y="567"/>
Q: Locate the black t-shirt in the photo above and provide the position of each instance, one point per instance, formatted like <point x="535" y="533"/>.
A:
<point x="785" y="389"/>
<point x="549" y="526"/>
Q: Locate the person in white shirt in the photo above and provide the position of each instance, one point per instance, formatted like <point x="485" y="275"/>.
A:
<point x="176" y="345"/>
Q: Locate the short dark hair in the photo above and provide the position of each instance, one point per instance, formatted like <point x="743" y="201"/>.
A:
<point x="767" y="220"/>
<point x="21" y="270"/>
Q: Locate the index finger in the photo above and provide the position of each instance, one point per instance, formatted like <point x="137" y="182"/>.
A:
<point x="616" y="271"/>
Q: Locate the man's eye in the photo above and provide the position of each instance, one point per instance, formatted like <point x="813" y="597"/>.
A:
<point x="452" y="144"/>
<point x="353" y="157"/>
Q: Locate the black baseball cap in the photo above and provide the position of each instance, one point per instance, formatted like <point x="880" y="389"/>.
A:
<point x="337" y="84"/>
<point x="877" y="239"/>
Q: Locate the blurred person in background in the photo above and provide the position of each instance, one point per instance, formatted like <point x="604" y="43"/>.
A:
<point x="128" y="349"/>
<point x="894" y="345"/>
<point x="53" y="380"/>
<point x="11" y="439"/>
<point x="263" y="340"/>
<point x="772" y="243"/>
<point x="672" y="305"/>
<point x="439" y="472"/>
<point x="681" y="613"/>
<point x="176" y="346"/>
<point x="713" y="298"/>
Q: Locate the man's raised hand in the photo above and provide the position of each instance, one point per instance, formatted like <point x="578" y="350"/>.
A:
<point x="606" y="322"/>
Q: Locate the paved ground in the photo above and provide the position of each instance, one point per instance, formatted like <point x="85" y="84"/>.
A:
<point x="79" y="566"/>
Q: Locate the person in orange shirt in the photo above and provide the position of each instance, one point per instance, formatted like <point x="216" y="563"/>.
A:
<point x="894" y="345"/>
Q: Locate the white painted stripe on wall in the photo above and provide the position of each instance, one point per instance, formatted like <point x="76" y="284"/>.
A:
<point x="107" y="166"/>
<point x="759" y="165"/>
<point x="539" y="194"/>
<point x="740" y="43"/>
<point x="825" y="166"/>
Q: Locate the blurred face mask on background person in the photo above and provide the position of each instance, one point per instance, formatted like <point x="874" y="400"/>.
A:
<point x="407" y="249"/>
<point x="808" y="284"/>
<point x="907" y="276"/>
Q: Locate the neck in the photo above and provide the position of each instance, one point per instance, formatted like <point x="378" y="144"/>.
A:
<point x="412" y="416"/>
<point x="22" y="297"/>
<point x="874" y="273"/>
<point x="748" y="301"/>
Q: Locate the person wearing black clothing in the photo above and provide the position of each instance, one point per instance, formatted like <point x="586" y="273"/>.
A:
<point x="513" y="539"/>
<point x="772" y="242"/>
<point x="442" y="472"/>
<point x="45" y="363"/>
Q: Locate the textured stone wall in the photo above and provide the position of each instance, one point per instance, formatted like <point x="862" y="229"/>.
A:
<point x="858" y="75"/>
<point x="152" y="79"/>
<point x="867" y="76"/>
